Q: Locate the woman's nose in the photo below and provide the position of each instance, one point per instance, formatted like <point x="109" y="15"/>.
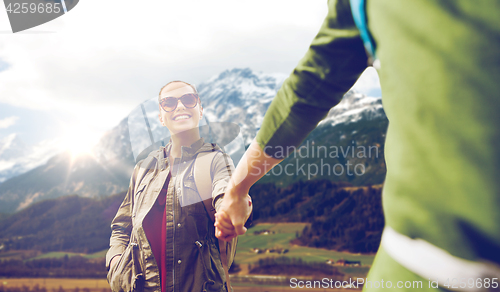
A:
<point x="180" y="105"/>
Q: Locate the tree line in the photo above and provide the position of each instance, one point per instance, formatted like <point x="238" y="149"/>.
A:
<point x="293" y="266"/>
<point x="342" y="217"/>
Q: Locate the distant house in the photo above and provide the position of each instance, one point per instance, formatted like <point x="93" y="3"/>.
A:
<point x="270" y="250"/>
<point x="263" y="232"/>
<point x="330" y="262"/>
<point x="276" y="250"/>
<point x="342" y="262"/>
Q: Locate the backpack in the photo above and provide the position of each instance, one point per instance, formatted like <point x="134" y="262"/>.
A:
<point x="358" y="10"/>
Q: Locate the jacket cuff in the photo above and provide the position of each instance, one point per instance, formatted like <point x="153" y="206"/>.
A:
<point x="217" y="202"/>
<point x="218" y="189"/>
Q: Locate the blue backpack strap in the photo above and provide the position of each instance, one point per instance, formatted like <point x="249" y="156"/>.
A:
<point x="358" y="9"/>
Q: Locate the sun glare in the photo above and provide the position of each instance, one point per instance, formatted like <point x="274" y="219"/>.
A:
<point x="79" y="140"/>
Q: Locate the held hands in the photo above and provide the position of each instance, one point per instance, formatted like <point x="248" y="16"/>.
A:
<point x="237" y="207"/>
<point x="232" y="215"/>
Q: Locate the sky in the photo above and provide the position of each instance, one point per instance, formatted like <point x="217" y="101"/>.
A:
<point x="79" y="75"/>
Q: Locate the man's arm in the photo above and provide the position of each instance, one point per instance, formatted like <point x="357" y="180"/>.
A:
<point x="335" y="60"/>
<point x="331" y="66"/>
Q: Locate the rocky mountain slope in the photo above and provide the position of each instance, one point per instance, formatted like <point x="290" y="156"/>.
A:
<point x="352" y="136"/>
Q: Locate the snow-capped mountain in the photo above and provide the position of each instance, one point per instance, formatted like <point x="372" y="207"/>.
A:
<point x="17" y="158"/>
<point x="353" y="107"/>
<point x="239" y="96"/>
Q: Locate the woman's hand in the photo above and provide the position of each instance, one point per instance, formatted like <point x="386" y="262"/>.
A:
<point x="114" y="260"/>
<point x="232" y="215"/>
<point x="237" y="204"/>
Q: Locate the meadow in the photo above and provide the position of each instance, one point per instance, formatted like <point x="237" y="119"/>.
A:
<point x="101" y="285"/>
<point x="263" y="236"/>
<point x="280" y="236"/>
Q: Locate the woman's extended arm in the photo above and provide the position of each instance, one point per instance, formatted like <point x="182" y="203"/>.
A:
<point x="235" y="208"/>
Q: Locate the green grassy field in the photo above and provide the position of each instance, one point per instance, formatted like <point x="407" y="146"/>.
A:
<point x="96" y="255"/>
<point x="57" y="254"/>
<point x="14" y="254"/>
<point x="60" y="254"/>
<point x="280" y="236"/>
<point x="283" y="234"/>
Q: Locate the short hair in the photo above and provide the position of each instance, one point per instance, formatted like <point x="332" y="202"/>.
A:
<point x="192" y="86"/>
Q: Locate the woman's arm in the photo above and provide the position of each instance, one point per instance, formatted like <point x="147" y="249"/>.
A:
<point x="236" y="206"/>
<point x="222" y="168"/>
<point x="222" y="172"/>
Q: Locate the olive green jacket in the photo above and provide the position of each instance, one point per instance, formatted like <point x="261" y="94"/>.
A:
<point x="439" y="73"/>
<point x="193" y="259"/>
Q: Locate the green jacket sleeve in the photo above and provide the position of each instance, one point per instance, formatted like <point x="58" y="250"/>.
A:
<point x="329" y="69"/>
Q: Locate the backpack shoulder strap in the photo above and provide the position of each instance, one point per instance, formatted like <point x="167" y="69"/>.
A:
<point x="203" y="181"/>
<point x="358" y="10"/>
<point x="143" y="170"/>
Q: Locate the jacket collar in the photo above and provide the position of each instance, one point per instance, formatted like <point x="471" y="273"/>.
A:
<point x="188" y="152"/>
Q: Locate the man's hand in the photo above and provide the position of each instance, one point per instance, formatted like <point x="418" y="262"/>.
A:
<point x="232" y="215"/>
<point x="224" y="228"/>
<point x="237" y="206"/>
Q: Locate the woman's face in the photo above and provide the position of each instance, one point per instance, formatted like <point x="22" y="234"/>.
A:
<point x="182" y="118"/>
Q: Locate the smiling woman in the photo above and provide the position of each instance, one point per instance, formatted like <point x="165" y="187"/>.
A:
<point x="163" y="228"/>
<point x="180" y="110"/>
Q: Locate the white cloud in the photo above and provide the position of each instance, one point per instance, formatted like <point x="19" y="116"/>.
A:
<point x="105" y="57"/>
<point x="21" y="158"/>
<point x="7" y="122"/>
<point x="368" y="83"/>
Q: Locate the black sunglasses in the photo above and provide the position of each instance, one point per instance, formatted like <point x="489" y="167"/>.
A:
<point x="169" y="104"/>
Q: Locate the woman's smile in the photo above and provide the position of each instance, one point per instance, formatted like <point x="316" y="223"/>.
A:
<point x="180" y="117"/>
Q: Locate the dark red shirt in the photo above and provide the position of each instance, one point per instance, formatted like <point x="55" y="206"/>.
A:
<point x="155" y="227"/>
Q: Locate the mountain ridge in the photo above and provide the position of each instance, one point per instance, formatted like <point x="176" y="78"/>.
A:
<point x="107" y="171"/>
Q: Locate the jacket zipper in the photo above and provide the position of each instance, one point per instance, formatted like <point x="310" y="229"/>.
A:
<point x="173" y="213"/>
